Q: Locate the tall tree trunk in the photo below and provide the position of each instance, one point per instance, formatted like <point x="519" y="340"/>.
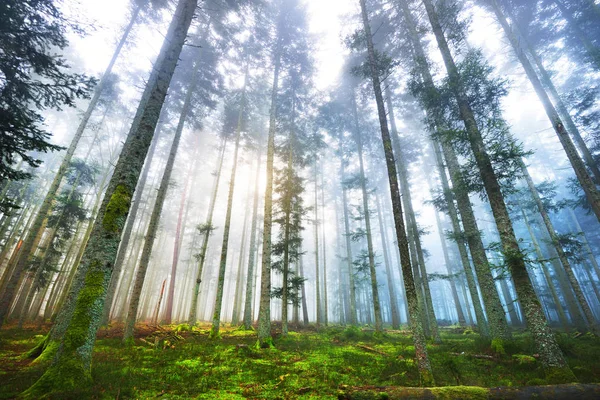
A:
<point x="415" y="319"/>
<point x="264" y="311"/>
<point x="36" y="228"/>
<point x="586" y="181"/>
<point x="216" y="321"/>
<point x="176" y="251"/>
<point x="71" y="366"/>
<point x="365" y="200"/>
<point x="287" y="208"/>
<point x="388" y="271"/>
<point x="593" y="51"/>
<point x="498" y="327"/>
<point x="557" y="369"/>
<point x="128" y="231"/>
<point x="349" y="257"/>
<point x="562" y="317"/>
<point x="317" y="272"/>
<point x="208" y="225"/>
<point x="239" y="283"/>
<point x="301" y="270"/>
<point x="450" y="270"/>
<point x="248" y="317"/>
<point x="323" y="236"/>
<point x="157" y="210"/>
<point x="560" y="105"/>
<point x="495" y="310"/>
<point x="411" y="221"/>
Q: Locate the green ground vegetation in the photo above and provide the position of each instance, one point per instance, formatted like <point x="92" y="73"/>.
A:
<point x="178" y="363"/>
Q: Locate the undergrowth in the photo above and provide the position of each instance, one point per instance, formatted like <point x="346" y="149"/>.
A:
<point x="183" y="364"/>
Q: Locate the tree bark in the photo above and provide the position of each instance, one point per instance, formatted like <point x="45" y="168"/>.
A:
<point x="423" y="363"/>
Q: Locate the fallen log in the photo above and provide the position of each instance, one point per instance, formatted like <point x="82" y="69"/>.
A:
<point x="550" y="392"/>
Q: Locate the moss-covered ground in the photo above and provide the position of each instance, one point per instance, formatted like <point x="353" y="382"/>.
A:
<point x="175" y="363"/>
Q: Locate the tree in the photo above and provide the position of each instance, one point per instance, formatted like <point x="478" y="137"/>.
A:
<point x="551" y="356"/>
<point x="71" y="366"/>
<point x="402" y="240"/>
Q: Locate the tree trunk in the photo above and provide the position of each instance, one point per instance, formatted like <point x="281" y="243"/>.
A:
<point x="176" y="250"/>
<point x="411" y="221"/>
<point x="489" y="298"/>
<point x="365" y="201"/>
<point x="239" y="283"/>
<point x="248" y="317"/>
<point x="71" y="366"/>
<point x="317" y="272"/>
<point x="557" y="369"/>
<point x="216" y="322"/>
<point x="415" y="319"/>
<point x="450" y="270"/>
<point x="202" y="256"/>
<point x="264" y="311"/>
<point x="496" y="318"/>
<point x="326" y="305"/>
<point x="157" y="210"/>
<point x="388" y="271"/>
<point x="349" y="257"/>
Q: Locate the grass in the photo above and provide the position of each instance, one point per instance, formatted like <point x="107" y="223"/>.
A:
<point x="176" y="363"/>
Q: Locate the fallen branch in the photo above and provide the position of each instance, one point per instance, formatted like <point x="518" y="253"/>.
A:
<point x="372" y="350"/>
<point x="550" y="392"/>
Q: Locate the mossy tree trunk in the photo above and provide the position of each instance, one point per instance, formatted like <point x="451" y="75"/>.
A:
<point x="71" y="366"/>
<point x="323" y="237"/>
<point x="451" y="271"/>
<point x="562" y="317"/>
<point x="557" y="369"/>
<point x="423" y="363"/>
<point x="239" y="282"/>
<point x="498" y="326"/>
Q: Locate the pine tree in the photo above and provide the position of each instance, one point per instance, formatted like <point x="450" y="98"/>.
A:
<point x="551" y="356"/>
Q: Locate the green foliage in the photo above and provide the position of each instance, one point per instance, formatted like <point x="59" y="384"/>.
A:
<point x="34" y="78"/>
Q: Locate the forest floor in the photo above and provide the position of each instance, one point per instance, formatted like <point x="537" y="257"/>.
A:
<point x="175" y="363"/>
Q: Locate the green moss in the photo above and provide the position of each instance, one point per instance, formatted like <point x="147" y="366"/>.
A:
<point x="523" y="359"/>
<point x="460" y="392"/>
<point x="560" y="375"/>
<point x="498" y="346"/>
<point x="117" y="209"/>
